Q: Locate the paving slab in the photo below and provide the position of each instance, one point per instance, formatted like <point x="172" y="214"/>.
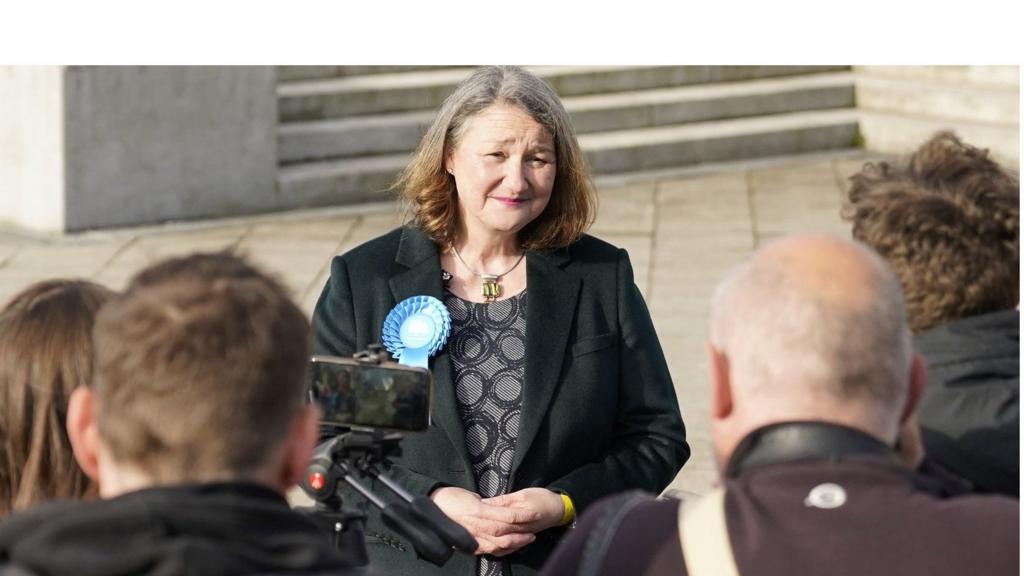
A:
<point x="625" y="209"/>
<point x="63" y="258"/>
<point x="786" y="201"/>
<point x="149" y="247"/>
<point x="296" y="251"/>
<point x="8" y="248"/>
<point x="297" y="262"/>
<point x="26" y="261"/>
<point x="332" y="228"/>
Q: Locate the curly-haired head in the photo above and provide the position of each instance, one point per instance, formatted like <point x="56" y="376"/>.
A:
<point x="947" y="220"/>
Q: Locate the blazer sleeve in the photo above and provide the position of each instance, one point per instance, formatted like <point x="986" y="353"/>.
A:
<point x="649" y="445"/>
<point x="334" y="333"/>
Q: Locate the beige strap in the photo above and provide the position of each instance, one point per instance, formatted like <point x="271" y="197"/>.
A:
<point x="705" y="537"/>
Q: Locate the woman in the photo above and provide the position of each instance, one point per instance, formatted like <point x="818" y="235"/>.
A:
<point x="45" y="352"/>
<point x="552" y="390"/>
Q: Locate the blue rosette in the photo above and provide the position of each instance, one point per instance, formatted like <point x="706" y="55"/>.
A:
<point x="416" y="329"/>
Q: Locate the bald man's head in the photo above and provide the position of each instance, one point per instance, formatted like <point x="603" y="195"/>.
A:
<point x="813" y="327"/>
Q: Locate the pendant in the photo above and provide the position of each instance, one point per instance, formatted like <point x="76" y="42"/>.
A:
<point x="491" y="289"/>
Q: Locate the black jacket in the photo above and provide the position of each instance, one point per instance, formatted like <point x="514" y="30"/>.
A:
<point x="890" y="522"/>
<point x="599" y="413"/>
<point x="970" y="411"/>
<point x="216" y="529"/>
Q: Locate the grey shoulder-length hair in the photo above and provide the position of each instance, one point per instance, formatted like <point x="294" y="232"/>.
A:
<point x="429" y="190"/>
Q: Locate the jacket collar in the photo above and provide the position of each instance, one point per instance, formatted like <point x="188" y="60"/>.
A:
<point x="802" y="441"/>
<point x="414" y="247"/>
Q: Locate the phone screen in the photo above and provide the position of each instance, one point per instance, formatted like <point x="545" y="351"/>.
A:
<point x="376" y="396"/>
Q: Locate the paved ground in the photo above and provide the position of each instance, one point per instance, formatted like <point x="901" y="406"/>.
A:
<point x="683" y="231"/>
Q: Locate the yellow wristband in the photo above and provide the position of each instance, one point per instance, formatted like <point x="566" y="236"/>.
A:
<point x="570" y="511"/>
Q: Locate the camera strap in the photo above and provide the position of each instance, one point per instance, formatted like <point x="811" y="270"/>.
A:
<point x="599" y="541"/>
<point x="704" y="536"/>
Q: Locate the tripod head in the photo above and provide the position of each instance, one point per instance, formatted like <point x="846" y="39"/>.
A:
<point x="343" y="452"/>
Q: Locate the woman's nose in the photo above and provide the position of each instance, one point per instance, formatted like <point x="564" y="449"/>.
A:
<point x="515" y="177"/>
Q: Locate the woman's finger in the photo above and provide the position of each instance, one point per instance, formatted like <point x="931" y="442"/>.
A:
<point x="488" y="527"/>
<point x="502" y="545"/>
<point x="508" y="515"/>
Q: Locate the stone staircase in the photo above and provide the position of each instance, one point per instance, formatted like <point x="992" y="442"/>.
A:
<point x="346" y="131"/>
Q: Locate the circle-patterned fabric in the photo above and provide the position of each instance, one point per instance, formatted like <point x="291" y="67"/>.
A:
<point x="487" y="347"/>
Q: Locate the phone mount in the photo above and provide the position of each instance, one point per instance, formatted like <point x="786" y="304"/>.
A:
<point x="351" y="454"/>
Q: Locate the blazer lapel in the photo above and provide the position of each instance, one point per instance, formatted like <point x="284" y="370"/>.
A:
<point x="550" y="308"/>
<point x="423" y="278"/>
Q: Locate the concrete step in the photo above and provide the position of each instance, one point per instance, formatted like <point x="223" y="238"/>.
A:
<point x="337" y="182"/>
<point x="348" y="137"/>
<point x="293" y="73"/>
<point x="687" y="144"/>
<point x="706" y="102"/>
<point x="365" y="179"/>
<point x="966" y="101"/>
<point x="902" y="133"/>
<point x="855" y="156"/>
<point x="391" y="133"/>
<point x="379" y="93"/>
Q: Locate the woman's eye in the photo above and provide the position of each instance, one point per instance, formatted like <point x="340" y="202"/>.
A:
<point x="538" y="161"/>
<point x="497" y="154"/>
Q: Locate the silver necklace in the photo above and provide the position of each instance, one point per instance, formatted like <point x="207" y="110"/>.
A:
<point x="490" y="287"/>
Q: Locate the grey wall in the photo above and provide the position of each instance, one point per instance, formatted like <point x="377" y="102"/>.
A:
<point x="146" y="144"/>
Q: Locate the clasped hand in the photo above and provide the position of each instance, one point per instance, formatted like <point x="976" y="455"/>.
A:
<point x="503" y="524"/>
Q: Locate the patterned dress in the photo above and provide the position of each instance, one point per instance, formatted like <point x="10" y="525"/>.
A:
<point x="488" y="351"/>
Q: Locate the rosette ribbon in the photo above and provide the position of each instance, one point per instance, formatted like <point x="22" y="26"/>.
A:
<point x="416" y="329"/>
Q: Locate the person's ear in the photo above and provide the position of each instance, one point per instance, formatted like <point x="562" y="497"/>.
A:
<point x="83" y="431"/>
<point x="302" y="438"/>
<point x="918" y="380"/>
<point x="721" y="386"/>
<point x="448" y="163"/>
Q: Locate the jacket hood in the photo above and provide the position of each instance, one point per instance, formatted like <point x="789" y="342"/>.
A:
<point x="210" y="529"/>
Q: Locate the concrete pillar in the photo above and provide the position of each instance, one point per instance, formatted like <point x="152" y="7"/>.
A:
<point x="128" y="145"/>
<point x="32" y="148"/>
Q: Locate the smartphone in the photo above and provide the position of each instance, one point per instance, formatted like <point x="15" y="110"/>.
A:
<point x="353" y="393"/>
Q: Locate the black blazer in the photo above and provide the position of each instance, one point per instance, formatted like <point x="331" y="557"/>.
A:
<point x="599" y="412"/>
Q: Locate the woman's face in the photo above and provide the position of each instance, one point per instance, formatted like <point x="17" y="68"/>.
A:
<point x="504" y="168"/>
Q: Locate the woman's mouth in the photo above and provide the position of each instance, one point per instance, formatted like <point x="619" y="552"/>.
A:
<point x="508" y="201"/>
